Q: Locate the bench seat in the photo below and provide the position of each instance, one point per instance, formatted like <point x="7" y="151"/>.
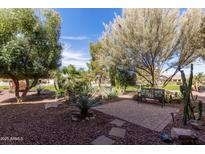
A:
<point x="152" y="93"/>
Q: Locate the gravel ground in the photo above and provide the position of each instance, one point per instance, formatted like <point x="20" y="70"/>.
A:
<point x="178" y="122"/>
<point x="35" y="125"/>
<point x="30" y="123"/>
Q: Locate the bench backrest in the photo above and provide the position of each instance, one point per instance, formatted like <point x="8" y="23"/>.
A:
<point x="152" y="92"/>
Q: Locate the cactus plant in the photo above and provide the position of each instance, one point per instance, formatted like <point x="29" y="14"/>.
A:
<point x="186" y="90"/>
<point x="199" y="110"/>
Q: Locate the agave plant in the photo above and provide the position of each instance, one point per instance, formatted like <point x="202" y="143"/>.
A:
<point x="85" y="102"/>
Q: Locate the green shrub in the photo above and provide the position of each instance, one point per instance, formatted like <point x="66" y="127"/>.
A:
<point x="112" y="94"/>
<point x="84" y="103"/>
<point x="173" y="97"/>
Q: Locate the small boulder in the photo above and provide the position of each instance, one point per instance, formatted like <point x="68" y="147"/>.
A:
<point x="184" y="136"/>
<point x="178" y="132"/>
<point x="74" y="118"/>
<point x="51" y="105"/>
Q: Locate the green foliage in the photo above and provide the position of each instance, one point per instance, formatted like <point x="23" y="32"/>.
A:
<point x="85" y="102"/>
<point x="198" y="80"/>
<point x="148" y="40"/>
<point x="59" y="93"/>
<point x="70" y="82"/>
<point x="120" y="81"/>
<point x="99" y="72"/>
<point x="121" y="78"/>
<point x="29" y="50"/>
<point x="171" y="97"/>
<point x="29" y="46"/>
<point x="113" y="93"/>
<point x="108" y="92"/>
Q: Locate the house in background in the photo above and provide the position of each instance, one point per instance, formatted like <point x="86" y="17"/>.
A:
<point x="177" y="78"/>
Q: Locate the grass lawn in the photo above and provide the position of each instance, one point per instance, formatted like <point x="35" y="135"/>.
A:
<point x="172" y="87"/>
<point x="4" y="87"/>
<point x="129" y="88"/>
<point x="50" y="87"/>
<point x="168" y="87"/>
<point x="132" y="88"/>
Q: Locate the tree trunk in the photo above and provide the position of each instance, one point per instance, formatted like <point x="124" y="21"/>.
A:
<point x="19" y="98"/>
<point x="100" y="81"/>
<point x="17" y="91"/>
<point x="26" y="89"/>
<point x="153" y="85"/>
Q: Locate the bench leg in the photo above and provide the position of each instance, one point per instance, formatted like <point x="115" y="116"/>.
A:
<point x="162" y="101"/>
<point x="140" y="99"/>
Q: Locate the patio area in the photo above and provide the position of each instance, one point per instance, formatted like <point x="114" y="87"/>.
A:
<point x="151" y="116"/>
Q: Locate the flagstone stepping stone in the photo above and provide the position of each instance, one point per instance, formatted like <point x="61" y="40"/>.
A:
<point x="51" y="105"/>
<point x="179" y="132"/>
<point x="202" y="138"/>
<point x="117" y="122"/>
<point x="102" y="140"/>
<point x="118" y="132"/>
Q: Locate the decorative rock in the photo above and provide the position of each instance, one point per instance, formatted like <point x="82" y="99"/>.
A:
<point x="51" y="105"/>
<point x="179" y="132"/>
<point x="118" y="132"/>
<point x="117" y="122"/>
<point x="102" y="140"/>
<point x="74" y="118"/>
<point x="92" y="117"/>
<point x="198" y="125"/>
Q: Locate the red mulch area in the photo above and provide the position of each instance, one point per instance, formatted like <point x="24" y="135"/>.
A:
<point x="30" y="123"/>
<point x="54" y="126"/>
<point x="178" y="122"/>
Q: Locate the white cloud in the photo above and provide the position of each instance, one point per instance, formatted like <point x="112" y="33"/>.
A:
<point x="77" y="64"/>
<point x="78" y="38"/>
<point x="76" y="58"/>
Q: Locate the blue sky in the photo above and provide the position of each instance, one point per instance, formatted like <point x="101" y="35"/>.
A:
<point x="81" y="26"/>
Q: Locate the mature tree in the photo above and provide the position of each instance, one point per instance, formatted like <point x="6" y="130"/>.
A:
<point x="200" y="39"/>
<point x="99" y="71"/>
<point x="151" y="41"/>
<point x="29" y="45"/>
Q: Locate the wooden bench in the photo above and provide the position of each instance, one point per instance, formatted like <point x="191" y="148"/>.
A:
<point x="152" y="93"/>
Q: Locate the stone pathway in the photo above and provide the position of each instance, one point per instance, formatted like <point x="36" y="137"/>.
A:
<point x="117" y="132"/>
<point x="147" y="115"/>
<point x="117" y="122"/>
<point x="151" y="116"/>
<point x="102" y="140"/>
